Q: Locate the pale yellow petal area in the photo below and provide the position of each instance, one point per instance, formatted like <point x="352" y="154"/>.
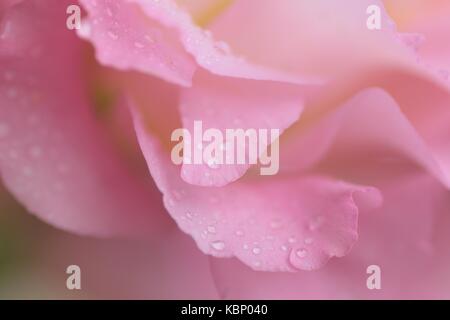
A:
<point x="407" y="12"/>
<point x="204" y="12"/>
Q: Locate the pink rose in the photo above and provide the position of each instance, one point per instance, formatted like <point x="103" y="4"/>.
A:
<point x="363" y="110"/>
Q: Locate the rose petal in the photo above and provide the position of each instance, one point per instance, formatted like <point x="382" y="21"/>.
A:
<point x="397" y="237"/>
<point x="53" y="156"/>
<point x="308" y="36"/>
<point x="368" y="126"/>
<point x="121" y="26"/>
<point x="126" y="39"/>
<point x="225" y="103"/>
<point x="278" y="224"/>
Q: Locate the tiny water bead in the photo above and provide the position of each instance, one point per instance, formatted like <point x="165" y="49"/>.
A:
<point x="316" y="223"/>
<point x="213" y="163"/>
<point x="275" y="224"/>
<point x="139" y="45"/>
<point x="211" y="229"/>
<point x="218" y="245"/>
<point x="292" y="240"/>
<point x="113" y="35"/>
<point x="223" y="47"/>
<point x="301" y="253"/>
<point x="239" y="233"/>
<point x="256" y="250"/>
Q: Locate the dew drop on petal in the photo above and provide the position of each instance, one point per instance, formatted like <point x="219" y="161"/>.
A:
<point x="275" y="224"/>
<point x="316" y="223"/>
<point x="139" y="45"/>
<point x="113" y="35"/>
<point x="239" y="233"/>
<point x="256" y="250"/>
<point x="218" y="245"/>
<point x="301" y="253"/>
<point x="211" y="229"/>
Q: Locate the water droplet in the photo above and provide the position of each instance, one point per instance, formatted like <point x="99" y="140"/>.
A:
<point x="275" y="224"/>
<point x="239" y="233"/>
<point x="223" y="47"/>
<point x="218" y="245"/>
<point x="113" y="35"/>
<point x="308" y="241"/>
<point x="316" y="223"/>
<point x="139" y="45"/>
<point x="292" y="240"/>
<point x="189" y="215"/>
<point x="245" y="246"/>
<point x="283" y="248"/>
<point x="301" y="253"/>
<point x="149" y="38"/>
<point x="256" y="250"/>
<point x="109" y="12"/>
<point x="211" y="229"/>
<point x="213" y="163"/>
<point x="257" y="264"/>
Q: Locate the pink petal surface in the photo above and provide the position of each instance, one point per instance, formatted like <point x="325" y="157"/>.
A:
<point x="121" y="32"/>
<point x="53" y="156"/>
<point x="406" y="237"/>
<point x="131" y="269"/>
<point x="227" y="103"/>
<point x="353" y="131"/>
<point x="279" y="224"/>
<point x="128" y="40"/>
<point x="308" y="36"/>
